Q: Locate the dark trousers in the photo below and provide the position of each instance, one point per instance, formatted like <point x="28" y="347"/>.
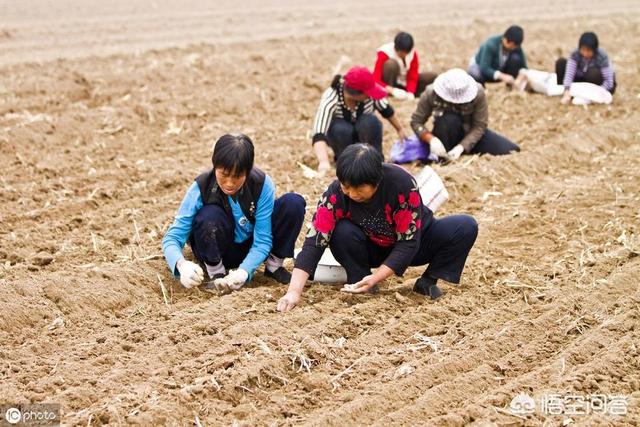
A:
<point x="449" y="129"/>
<point x="342" y="133"/>
<point x="593" y="75"/>
<point x="444" y="245"/>
<point x="511" y="66"/>
<point x="213" y="232"/>
<point x="391" y="71"/>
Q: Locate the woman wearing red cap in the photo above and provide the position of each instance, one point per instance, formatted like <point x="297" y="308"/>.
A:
<point x="346" y="116"/>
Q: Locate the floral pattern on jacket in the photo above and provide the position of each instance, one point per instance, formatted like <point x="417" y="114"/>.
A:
<point x="398" y="221"/>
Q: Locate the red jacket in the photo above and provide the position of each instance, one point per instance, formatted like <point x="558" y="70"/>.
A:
<point x="408" y="75"/>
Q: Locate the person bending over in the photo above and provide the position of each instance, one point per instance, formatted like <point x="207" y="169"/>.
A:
<point x="372" y="216"/>
<point x="499" y="58"/>
<point x="346" y="116"/>
<point x="588" y="63"/>
<point x="233" y="222"/>
<point x="461" y="115"/>
<point x="397" y="68"/>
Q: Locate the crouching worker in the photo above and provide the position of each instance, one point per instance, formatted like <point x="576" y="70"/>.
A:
<point x="396" y="68"/>
<point x="346" y="116"/>
<point x="589" y="63"/>
<point x="372" y="216"/>
<point x="500" y="58"/>
<point x="233" y="222"/>
<point x="461" y="115"/>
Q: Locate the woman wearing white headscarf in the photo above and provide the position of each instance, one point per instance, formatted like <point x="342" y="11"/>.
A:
<point x="461" y="115"/>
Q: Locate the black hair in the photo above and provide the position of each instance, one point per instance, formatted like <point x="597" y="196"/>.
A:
<point x="403" y="42"/>
<point x="233" y="153"/>
<point x="335" y="84"/>
<point x="359" y="164"/>
<point x="590" y="40"/>
<point x="514" y="34"/>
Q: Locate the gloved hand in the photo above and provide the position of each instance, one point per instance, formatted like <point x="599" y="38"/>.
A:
<point x="232" y="281"/>
<point x="190" y="274"/>
<point x="455" y="152"/>
<point x="437" y="147"/>
<point x="400" y="94"/>
<point x="410" y="96"/>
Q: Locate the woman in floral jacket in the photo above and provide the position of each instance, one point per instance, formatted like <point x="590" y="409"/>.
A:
<point x="373" y="216"/>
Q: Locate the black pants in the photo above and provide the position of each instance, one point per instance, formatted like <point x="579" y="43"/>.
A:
<point x="593" y="75"/>
<point x="391" y="71"/>
<point x="213" y="232"/>
<point x="342" y="133"/>
<point x="449" y="129"/>
<point x="511" y="66"/>
<point x="444" y="245"/>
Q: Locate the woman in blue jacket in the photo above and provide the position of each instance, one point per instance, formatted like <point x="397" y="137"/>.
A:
<point x="233" y="222"/>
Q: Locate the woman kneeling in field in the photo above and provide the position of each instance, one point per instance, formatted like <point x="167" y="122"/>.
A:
<point x="373" y="216"/>
<point x="231" y="218"/>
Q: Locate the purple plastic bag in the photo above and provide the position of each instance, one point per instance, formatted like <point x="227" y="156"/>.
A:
<point x="412" y="149"/>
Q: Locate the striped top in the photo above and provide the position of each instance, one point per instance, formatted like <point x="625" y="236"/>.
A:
<point x="577" y="66"/>
<point x="332" y="106"/>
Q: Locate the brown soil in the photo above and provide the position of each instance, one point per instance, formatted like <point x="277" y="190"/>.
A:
<point x="97" y="154"/>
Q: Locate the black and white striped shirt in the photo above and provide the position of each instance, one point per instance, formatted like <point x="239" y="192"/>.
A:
<point x="332" y="106"/>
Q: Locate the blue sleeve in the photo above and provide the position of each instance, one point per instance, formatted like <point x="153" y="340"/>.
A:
<point x="178" y="234"/>
<point x="262" y="237"/>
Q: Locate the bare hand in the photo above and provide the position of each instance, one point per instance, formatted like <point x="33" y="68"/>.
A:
<point x="323" y="167"/>
<point x="402" y="134"/>
<point x="566" y="98"/>
<point x="507" y="78"/>
<point x="288" y="301"/>
<point x="360" y="287"/>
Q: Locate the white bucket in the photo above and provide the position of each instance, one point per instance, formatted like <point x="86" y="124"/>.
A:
<point x="431" y="188"/>
<point x="328" y="270"/>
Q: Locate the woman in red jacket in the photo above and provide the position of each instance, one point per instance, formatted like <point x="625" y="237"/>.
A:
<point x="397" y="68"/>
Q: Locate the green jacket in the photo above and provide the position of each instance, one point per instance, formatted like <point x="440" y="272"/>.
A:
<point x="488" y="56"/>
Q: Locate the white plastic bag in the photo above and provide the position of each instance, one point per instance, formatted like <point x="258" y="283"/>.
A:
<point x="590" y="92"/>
<point x="431" y="188"/>
<point x="544" y="82"/>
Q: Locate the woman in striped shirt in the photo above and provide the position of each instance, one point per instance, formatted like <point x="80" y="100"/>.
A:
<point x="589" y="63"/>
<point x="346" y="116"/>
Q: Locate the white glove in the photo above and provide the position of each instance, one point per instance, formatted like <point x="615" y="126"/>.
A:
<point x="455" y="152"/>
<point x="437" y="147"/>
<point x="410" y="96"/>
<point x="233" y="281"/>
<point x="400" y="94"/>
<point x="190" y="274"/>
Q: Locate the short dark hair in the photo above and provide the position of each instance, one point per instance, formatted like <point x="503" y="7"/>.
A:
<point x="234" y="153"/>
<point x="359" y="164"/>
<point x="514" y="34"/>
<point x="590" y="40"/>
<point x="403" y="42"/>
